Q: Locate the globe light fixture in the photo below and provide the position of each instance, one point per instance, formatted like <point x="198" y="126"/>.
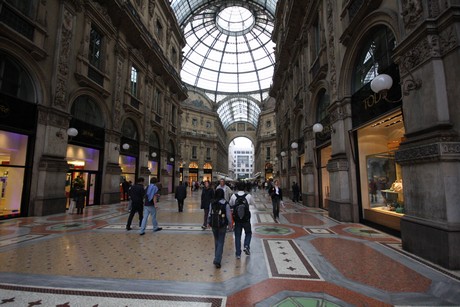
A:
<point x="317" y="128"/>
<point x="294" y="145"/>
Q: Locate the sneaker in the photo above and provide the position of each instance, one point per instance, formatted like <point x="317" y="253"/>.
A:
<point x="246" y="250"/>
<point x="218" y="265"/>
<point x="128" y="228"/>
<point x="203" y="227"/>
<point x="158" y="229"/>
<point x="142" y="233"/>
<point x="238" y="257"/>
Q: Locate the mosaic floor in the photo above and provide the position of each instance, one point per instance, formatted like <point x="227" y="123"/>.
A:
<point x="308" y="259"/>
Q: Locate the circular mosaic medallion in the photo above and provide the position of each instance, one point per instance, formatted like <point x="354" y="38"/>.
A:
<point x="364" y="232"/>
<point x="273" y="230"/>
<point x="70" y="226"/>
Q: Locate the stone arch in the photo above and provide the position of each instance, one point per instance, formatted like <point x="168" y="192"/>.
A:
<point x="382" y="17"/>
<point x="29" y="64"/>
<point x="105" y="112"/>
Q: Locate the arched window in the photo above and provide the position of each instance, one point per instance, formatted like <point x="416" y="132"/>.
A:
<point x="375" y="56"/>
<point x="15" y="81"/>
<point x="86" y="109"/>
<point x="129" y="130"/>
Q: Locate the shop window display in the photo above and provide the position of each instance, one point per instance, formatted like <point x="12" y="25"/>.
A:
<point x="385" y="183"/>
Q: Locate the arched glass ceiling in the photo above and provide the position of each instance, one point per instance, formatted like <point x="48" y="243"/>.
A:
<point x="238" y="108"/>
<point x="229" y="50"/>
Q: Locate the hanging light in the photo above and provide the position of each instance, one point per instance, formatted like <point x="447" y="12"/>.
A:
<point x="294" y="145"/>
<point x="125" y="146"/>
<point x="153" y="154"/>
<point x="317" y="128"/>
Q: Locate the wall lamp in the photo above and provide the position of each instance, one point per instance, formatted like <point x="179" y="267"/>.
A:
<point x="318" y="128"/>
<point x="282" y="154"/>
<point x="71" y="132"/>
<point x="383" y="82"/>
<point x="171" y="159"/>
<point x="125" y="146"/>
<point x="153" y="154"/>
<point x="294" y="145"/>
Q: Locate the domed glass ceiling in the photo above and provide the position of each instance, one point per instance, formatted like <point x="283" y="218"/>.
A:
<point x="229" y="53"/>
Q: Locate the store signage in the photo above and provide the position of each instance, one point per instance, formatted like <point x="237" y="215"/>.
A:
<point x="17" y="114"/>
<point x="367" y="105"/>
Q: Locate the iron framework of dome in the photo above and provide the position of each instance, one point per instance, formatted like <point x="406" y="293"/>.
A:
<point x="229" y="53"/>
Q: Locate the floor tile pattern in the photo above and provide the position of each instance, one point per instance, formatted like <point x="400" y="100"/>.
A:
<point x="287" y="261"/>
<point x="91" y="259"/>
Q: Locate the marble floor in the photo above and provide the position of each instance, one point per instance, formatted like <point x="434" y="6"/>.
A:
<point x="308" y="259"/>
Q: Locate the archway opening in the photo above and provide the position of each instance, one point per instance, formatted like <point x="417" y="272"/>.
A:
<point x="241" y="158"/>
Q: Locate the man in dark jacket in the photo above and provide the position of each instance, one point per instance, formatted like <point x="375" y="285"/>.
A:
<point x="136" y="193"/>
<point x="207" y="196"/>
<point x="181" y="195"/>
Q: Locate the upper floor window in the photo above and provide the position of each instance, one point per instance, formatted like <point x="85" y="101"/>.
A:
<point x="316" y="36"/>
<point x="375" y="56"/>
<point x="194" y="122"/>
<point x="28" y="7"/>
<point x="208" y="124"/>
<point x="174" y="56"/>
<point x="208" y="153"/>
<point x="173" y="115"/>
<point x="134" y="79"/>
<point x="157" y="101"/>
<point x="95" y="47"/>
<point x="268" y="153"/>
<point x="268" y="123"/>
<point x="159" y="30"/>
<point x="15" y="80"/>
<point x="194" y="152"/>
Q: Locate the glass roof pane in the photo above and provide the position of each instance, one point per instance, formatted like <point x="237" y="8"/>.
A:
<point x="229" y="51"/>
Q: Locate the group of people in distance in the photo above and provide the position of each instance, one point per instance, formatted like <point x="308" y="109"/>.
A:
<point x="234" y="218"/>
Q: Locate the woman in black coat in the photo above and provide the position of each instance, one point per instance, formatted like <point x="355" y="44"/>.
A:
<point x="277" y="199"/>
<point x="207" y="195"/>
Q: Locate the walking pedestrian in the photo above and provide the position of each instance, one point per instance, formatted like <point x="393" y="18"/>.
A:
<point x="136" y="195"/>
<point x="150" y="207"/>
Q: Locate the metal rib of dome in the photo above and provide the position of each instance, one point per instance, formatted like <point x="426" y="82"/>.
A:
<point x="229" y="51"/>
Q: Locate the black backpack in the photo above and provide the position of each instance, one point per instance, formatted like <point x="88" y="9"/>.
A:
<point x="241" y="209"/>
<point x="218" y="215"/>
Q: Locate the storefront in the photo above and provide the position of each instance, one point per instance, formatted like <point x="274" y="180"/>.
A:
<point x="129" y="153"/>
<point x="18" y="123"/>
<point x="380" y="183"/>
<point x="84" y="157"/>
<point x="378" y="129"/>
<point x="15" y="158"/>
<point x="207" y="172"/>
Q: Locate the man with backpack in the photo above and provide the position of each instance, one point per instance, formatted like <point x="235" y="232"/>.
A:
<point x="219" y="219"/>
<point x="239" y="202"/>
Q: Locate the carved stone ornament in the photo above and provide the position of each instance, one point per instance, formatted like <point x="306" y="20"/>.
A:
<point x="412" y="11"/>
<point x="62" y="73"/>
<point x="430" y="152"/>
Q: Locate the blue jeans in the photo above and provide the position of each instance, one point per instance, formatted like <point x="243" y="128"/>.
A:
<point x="147" y="211"/>
<point x="219" y="240"/>
<point x="247" y="235"/>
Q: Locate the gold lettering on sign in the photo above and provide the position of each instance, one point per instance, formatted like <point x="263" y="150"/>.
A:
<point x="87" y="133"/>
<point x="372" y="100"/>
<point x="4" y="109"/>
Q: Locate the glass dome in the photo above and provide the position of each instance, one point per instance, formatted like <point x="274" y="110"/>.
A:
<point x="229" y="52"/>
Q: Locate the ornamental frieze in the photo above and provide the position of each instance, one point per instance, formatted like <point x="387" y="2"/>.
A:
<point x="431" y="152"/>
<point x="412" y="11"/>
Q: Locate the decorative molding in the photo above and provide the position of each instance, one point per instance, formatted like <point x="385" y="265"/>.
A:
<point x="331" y="49"/>
<point x="337" y="165"/>
<point x="62" y="73"/>
<point x="431" y="152"/>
